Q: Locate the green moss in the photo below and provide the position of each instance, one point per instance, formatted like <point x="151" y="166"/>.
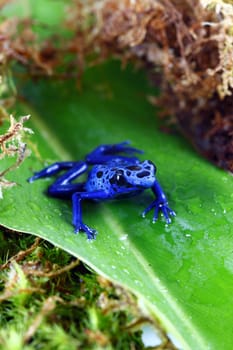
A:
<point x="70" y="310"/>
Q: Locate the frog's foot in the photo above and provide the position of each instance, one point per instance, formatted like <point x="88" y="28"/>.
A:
<point x="160" y="207"/>
<point x="106" y="153"/>
<point x="121" y="147"/>
<point x="91" y="233"/>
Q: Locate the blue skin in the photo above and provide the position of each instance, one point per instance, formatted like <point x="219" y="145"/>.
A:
<point x="111" y="176"/>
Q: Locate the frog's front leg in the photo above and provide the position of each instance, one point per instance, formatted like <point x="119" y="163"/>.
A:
<point x="77" y="210"/>
<point x="160" y="204"/>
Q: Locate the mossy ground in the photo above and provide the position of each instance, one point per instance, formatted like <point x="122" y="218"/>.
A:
<point x="49" y="300"/>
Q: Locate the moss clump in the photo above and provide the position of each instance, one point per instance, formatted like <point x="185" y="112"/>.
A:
<point x="50" y="300"/>
<point x="186" y="47"/>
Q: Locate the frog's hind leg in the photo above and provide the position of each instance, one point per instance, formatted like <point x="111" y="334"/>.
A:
<point x="63" y="186"/>
<point x="65" y="191"/>
<point x="106" y="153"/>
<point x="52" y="170"/>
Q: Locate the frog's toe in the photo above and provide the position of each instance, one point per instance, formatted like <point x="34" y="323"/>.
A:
<point x="34" y="177"/>
<point x="167" y="212"/>
<point x="147" y="209"/>
<point x="172" y="212"/>
<point x="159" y="208"/>
<point x="123" y="147"/>
<point x="156" y="214"/>
<point x="91" y="234"/>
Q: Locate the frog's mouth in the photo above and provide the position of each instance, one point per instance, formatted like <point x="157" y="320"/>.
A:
<point x="129" y="194"/>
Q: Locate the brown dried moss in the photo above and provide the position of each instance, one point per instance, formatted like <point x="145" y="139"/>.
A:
<point x="188" y="44"/>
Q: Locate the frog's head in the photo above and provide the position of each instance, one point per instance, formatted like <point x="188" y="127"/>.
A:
<point x="141" y="174"/>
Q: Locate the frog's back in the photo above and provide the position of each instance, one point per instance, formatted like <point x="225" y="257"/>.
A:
<point x="121" y="178"/>
<point x="98" y="178"/>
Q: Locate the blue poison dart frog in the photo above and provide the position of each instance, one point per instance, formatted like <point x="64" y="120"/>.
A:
<point x="111" y="176"/>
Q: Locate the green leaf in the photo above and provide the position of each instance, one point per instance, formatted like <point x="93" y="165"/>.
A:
<point x="182" y="272"/>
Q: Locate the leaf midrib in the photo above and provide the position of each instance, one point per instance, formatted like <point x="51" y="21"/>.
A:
<point x="158" y="285"/>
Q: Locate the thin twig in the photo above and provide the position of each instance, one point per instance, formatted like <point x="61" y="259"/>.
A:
<point x="21" y="255"/>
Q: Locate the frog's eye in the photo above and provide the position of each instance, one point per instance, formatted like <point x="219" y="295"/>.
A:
<point x="118" y="178"/>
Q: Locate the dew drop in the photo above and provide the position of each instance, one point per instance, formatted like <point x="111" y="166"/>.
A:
<point x="123" y="237"/>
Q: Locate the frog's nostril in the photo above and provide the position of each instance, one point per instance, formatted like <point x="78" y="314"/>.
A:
<point x="134" y="167"/>
<point x="149" y="165"/>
